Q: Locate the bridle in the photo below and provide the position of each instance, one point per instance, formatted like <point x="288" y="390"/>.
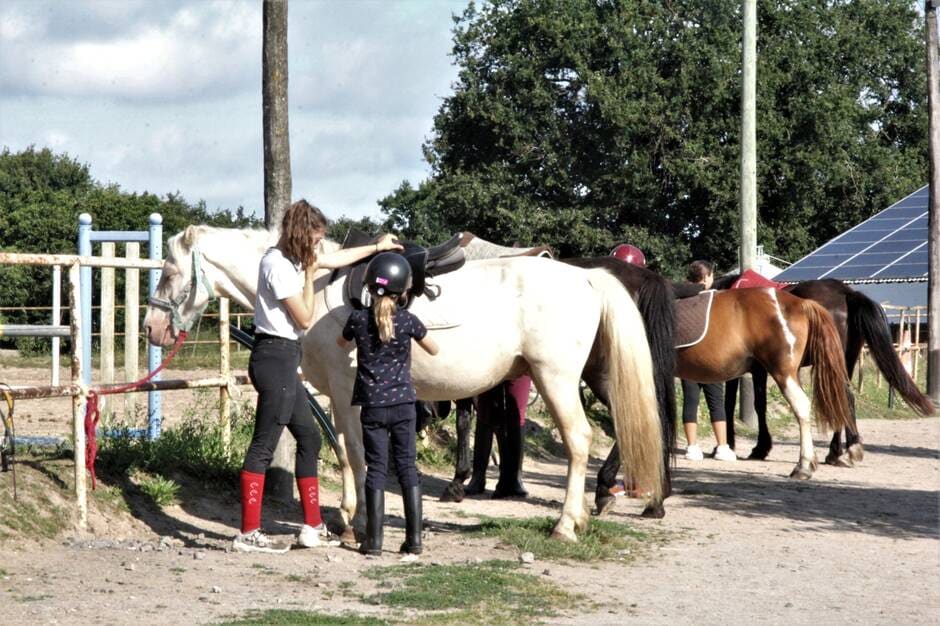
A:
<point x="172" y="306"/>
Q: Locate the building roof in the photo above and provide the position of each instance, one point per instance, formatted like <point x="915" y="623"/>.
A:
<point x="888" y="247"/>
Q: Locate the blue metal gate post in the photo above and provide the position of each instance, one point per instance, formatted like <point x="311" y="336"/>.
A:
<point x="154" y="353"/>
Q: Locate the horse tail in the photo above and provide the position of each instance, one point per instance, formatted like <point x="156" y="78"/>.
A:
<point x="657" y="307"/>
<point x="830" y="399"/>
<point x="867" y="321"/>
<point x="631" y="385"/>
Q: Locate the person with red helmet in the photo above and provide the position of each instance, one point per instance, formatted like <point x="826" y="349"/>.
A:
<point x="630" y="254"/>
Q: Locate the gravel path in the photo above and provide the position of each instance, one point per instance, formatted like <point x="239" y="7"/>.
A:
<point x="851" y="546"/>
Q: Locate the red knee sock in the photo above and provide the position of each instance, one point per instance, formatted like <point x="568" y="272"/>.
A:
<point x="252" y="492"/>
<point x="310" y="499"/>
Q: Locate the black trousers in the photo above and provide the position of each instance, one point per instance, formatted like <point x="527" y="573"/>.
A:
<point x="281" y="403"/>
<point x="714" y="398"/>
<point x="379" y="424"/>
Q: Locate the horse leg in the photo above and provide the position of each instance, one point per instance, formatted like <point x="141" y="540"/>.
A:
<point x="837" y="455"/>
<point x="353" y="470"/>
<point x="853" y="440"/>
<point x="764" y="441"/>
<point x="454" y="491"/>
<point x="800" y="404"/>
<point x="731" y="396"/>
<point x="560" y="393"/>
<point x="606" y="480"/>
<point x="840" y="456"/>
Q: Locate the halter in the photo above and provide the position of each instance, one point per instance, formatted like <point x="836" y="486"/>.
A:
<point x="172" y="306"/>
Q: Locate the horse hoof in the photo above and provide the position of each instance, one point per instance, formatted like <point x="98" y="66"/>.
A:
<point x="603" y="505"/>
<point x="516" y="491"/>
<point x="856" y="452"/>
<point x="654" y="511"/>
<point x="557" y="535"/>
<point x="474" y="489"/>
<point x="801" y="473"/>
<point x="758" y="454"/>
<point x="839" y="460"/>
<point x="348" y="536"/>
<point x="453" y="492"/>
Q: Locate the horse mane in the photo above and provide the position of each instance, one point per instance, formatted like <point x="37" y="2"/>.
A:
<point x="725" y="282"/>
<point x="181" y="244"/>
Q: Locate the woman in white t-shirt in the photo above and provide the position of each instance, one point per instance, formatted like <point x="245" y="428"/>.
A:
<point x="284" y="310"/>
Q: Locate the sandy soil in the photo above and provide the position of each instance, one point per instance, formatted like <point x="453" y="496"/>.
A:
<point x="851" y="546"/>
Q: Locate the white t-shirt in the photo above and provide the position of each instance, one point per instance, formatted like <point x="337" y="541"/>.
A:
<point x="278" y="279"/>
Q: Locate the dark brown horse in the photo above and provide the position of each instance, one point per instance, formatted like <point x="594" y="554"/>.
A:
<point x="859" y="320"/>
<point x="764" y="330"/>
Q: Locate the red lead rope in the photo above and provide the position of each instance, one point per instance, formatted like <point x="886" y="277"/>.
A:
<point x="93" y="414"/>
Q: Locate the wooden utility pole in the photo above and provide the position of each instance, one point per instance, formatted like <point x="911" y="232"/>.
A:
<point x="279" y="483"/>
<point x="933" y="231"/>
<point x="748" y="172"/>
<point x="277" y="176"/>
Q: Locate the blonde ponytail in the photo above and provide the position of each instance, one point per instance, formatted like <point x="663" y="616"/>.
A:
<point x="383" y="308"/>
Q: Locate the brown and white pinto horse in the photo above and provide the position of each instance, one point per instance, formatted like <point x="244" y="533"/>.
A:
<point x="757" y="329"/>
<point x="780" y="332"/>
<point x="859" y="321"/>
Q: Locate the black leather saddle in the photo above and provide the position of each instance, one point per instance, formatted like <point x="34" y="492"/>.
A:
<point x="425" y="263"/>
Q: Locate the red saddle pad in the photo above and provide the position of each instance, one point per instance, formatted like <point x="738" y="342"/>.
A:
<point x="750" y="278"/>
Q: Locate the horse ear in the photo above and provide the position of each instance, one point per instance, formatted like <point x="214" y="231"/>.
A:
<point x="188" y="240"/>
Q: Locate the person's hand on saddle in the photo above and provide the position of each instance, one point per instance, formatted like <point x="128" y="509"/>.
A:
<point x="387" y="242"/>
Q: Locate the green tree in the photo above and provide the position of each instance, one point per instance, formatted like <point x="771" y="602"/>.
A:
<point x="584" y="124"/>
<point x="41" y="196"/>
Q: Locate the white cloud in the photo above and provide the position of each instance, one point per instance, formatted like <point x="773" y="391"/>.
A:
<point x="206" y="50"/>
<point x="165" y="96"/>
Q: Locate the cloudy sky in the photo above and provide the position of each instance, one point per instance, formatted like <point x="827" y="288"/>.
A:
<point x="165" y="96"/>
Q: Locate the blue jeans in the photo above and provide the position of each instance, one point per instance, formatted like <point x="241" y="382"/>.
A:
<point x="379" y="423"/>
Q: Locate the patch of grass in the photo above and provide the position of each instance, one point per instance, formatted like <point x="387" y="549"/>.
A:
<point x="177" y="570"/>
<point x="162" y="491"/>
<point x="38" y="519"/>
<point x="38" y="598"/>
<point x="437" y="447"/>
<point x="264" y="569"/>
<point x="297" y="578"/>
<point x="482" y="593"/>
<point x="3" y="572"/>
<point x="110" y="495"/>
<point x="540" y="441"/>
<point x="193" y="446"/>
<point x="603" y="540"/>
<point x="306" y="618"/>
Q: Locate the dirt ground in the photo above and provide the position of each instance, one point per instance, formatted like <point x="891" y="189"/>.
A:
<point x="851" y="546"/>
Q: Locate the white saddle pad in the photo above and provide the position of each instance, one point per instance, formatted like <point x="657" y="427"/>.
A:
<point x="445" y="311"/>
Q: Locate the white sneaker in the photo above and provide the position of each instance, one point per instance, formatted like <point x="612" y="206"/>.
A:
<point x="724" y="453"/>
<point x="257" y="541"/>
<point x="309" y="536"/>
<point x="694" y="453"/>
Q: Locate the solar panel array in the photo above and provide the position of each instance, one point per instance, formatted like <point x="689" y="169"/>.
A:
<point x="889" y="246"/>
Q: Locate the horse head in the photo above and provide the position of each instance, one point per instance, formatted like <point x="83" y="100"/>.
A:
<point x="183" y="292"/>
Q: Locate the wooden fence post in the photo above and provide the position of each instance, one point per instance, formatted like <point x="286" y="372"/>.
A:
<point x="106" y="347"/>
<point x="225" y="407"/>
<point x="78" y="401"/>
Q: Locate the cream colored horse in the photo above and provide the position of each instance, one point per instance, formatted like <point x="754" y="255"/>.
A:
<point x="493" y="320"/>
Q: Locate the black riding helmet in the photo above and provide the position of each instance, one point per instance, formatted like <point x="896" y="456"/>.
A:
<point x="388" y="273"/>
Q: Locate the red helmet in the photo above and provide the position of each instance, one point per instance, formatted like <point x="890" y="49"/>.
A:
<point x="630" y="254"/>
